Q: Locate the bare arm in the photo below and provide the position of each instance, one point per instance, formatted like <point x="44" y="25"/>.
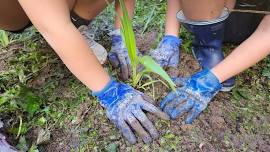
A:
<point x="251" y="51"/>
<point x="51" y="18"/>
<point x="172" y="24"/>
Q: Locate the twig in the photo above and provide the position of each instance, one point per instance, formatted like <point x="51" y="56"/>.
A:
<point x="20" y="128"/>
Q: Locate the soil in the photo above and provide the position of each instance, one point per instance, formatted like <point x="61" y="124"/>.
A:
<point x="63" y="141"/>
<point x="214" y="130"/>
<point x="3" y="66"/>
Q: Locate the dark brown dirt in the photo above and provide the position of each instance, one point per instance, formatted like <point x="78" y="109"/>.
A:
<point x="5" y="54"/>
<point x="39" y="80"/>
<point x="145" y="42"/>
<point x="63" y="141"/>
<point x="82" y="112"/>
<point x="3" y="66"/>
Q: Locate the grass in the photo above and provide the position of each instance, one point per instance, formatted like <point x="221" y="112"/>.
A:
<point x="38" y="92"/>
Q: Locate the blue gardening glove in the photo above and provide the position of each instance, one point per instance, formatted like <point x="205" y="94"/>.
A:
<point x="125" y="108"/>
<point x="4" y="146"/>
<point x="167" y="53"/>
<point x="118" y="56"/>
<point x="193" y="97"/>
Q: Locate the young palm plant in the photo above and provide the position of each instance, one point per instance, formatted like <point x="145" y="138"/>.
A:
<point x="150" y="66"/>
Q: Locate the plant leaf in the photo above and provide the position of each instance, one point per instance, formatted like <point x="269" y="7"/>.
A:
<point x="4" y="38"/>
<point x="152" y="66"/>
<point x="130" y="42"/>
<point x="128" y="34"/>
<point x="29" y="101"/>
<point x="22" y="145"/>
<point x="2" y="100"/>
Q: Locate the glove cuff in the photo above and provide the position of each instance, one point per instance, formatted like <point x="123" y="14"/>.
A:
<point x="115" y="32"/>
<point x="112" y="93"/>
<point x="204" y="85"/>
<point x="101" y="92"/>
<point x="207" y="80"/>
<point x="171" y="39"/>
<point x="103" y="96"/>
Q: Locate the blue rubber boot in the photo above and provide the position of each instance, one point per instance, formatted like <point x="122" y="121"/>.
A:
<point x="207" y="42"/>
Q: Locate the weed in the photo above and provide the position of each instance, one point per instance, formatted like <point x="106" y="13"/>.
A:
<point x="4" y="39"/>
<point x="150" y="19"/>
<point x="170" y="141"/>
<point x="187" y="40"/>
<point x="266" y="69"/>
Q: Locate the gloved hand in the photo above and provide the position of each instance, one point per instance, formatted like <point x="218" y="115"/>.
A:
<point x="118" y="56"/>
<point x="124" y="107"/>
<point x="193" y="97"/>
<point x="4" y="146"/>
<point x="167" y="53"/>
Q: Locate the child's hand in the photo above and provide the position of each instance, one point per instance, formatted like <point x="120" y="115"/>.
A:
<point x="125" y="107"/>
<point x="4" y="146"/>
<point x="193" y="97"/>
<point x="167" y="54"/>
<point x="118" y="56"/>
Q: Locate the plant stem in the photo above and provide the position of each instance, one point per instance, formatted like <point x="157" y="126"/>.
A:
<point x="134" y="74"/>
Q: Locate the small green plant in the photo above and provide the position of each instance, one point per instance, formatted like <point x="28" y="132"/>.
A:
<point x="4" y="40"/>
<point x="150" y="66"/>
<point x="266" y="69"/>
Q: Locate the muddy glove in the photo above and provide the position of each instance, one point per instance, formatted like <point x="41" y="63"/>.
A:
<point x="125" y="107"/>
<point x="167" y="53"/>
<point x="193" y="97"/>
<point x="4" y="146"/>
<point x="118" y="56"/>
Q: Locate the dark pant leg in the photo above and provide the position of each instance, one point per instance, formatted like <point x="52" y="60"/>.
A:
<point x="12" y="16"/>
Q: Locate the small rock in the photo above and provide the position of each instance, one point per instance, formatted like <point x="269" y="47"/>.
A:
<point x="1" y="124"/>
<point x="44" y="137"/>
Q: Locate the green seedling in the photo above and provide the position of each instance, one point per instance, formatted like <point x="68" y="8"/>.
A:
<point x="150" y="66"/>
<point x="4" y="40"/>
